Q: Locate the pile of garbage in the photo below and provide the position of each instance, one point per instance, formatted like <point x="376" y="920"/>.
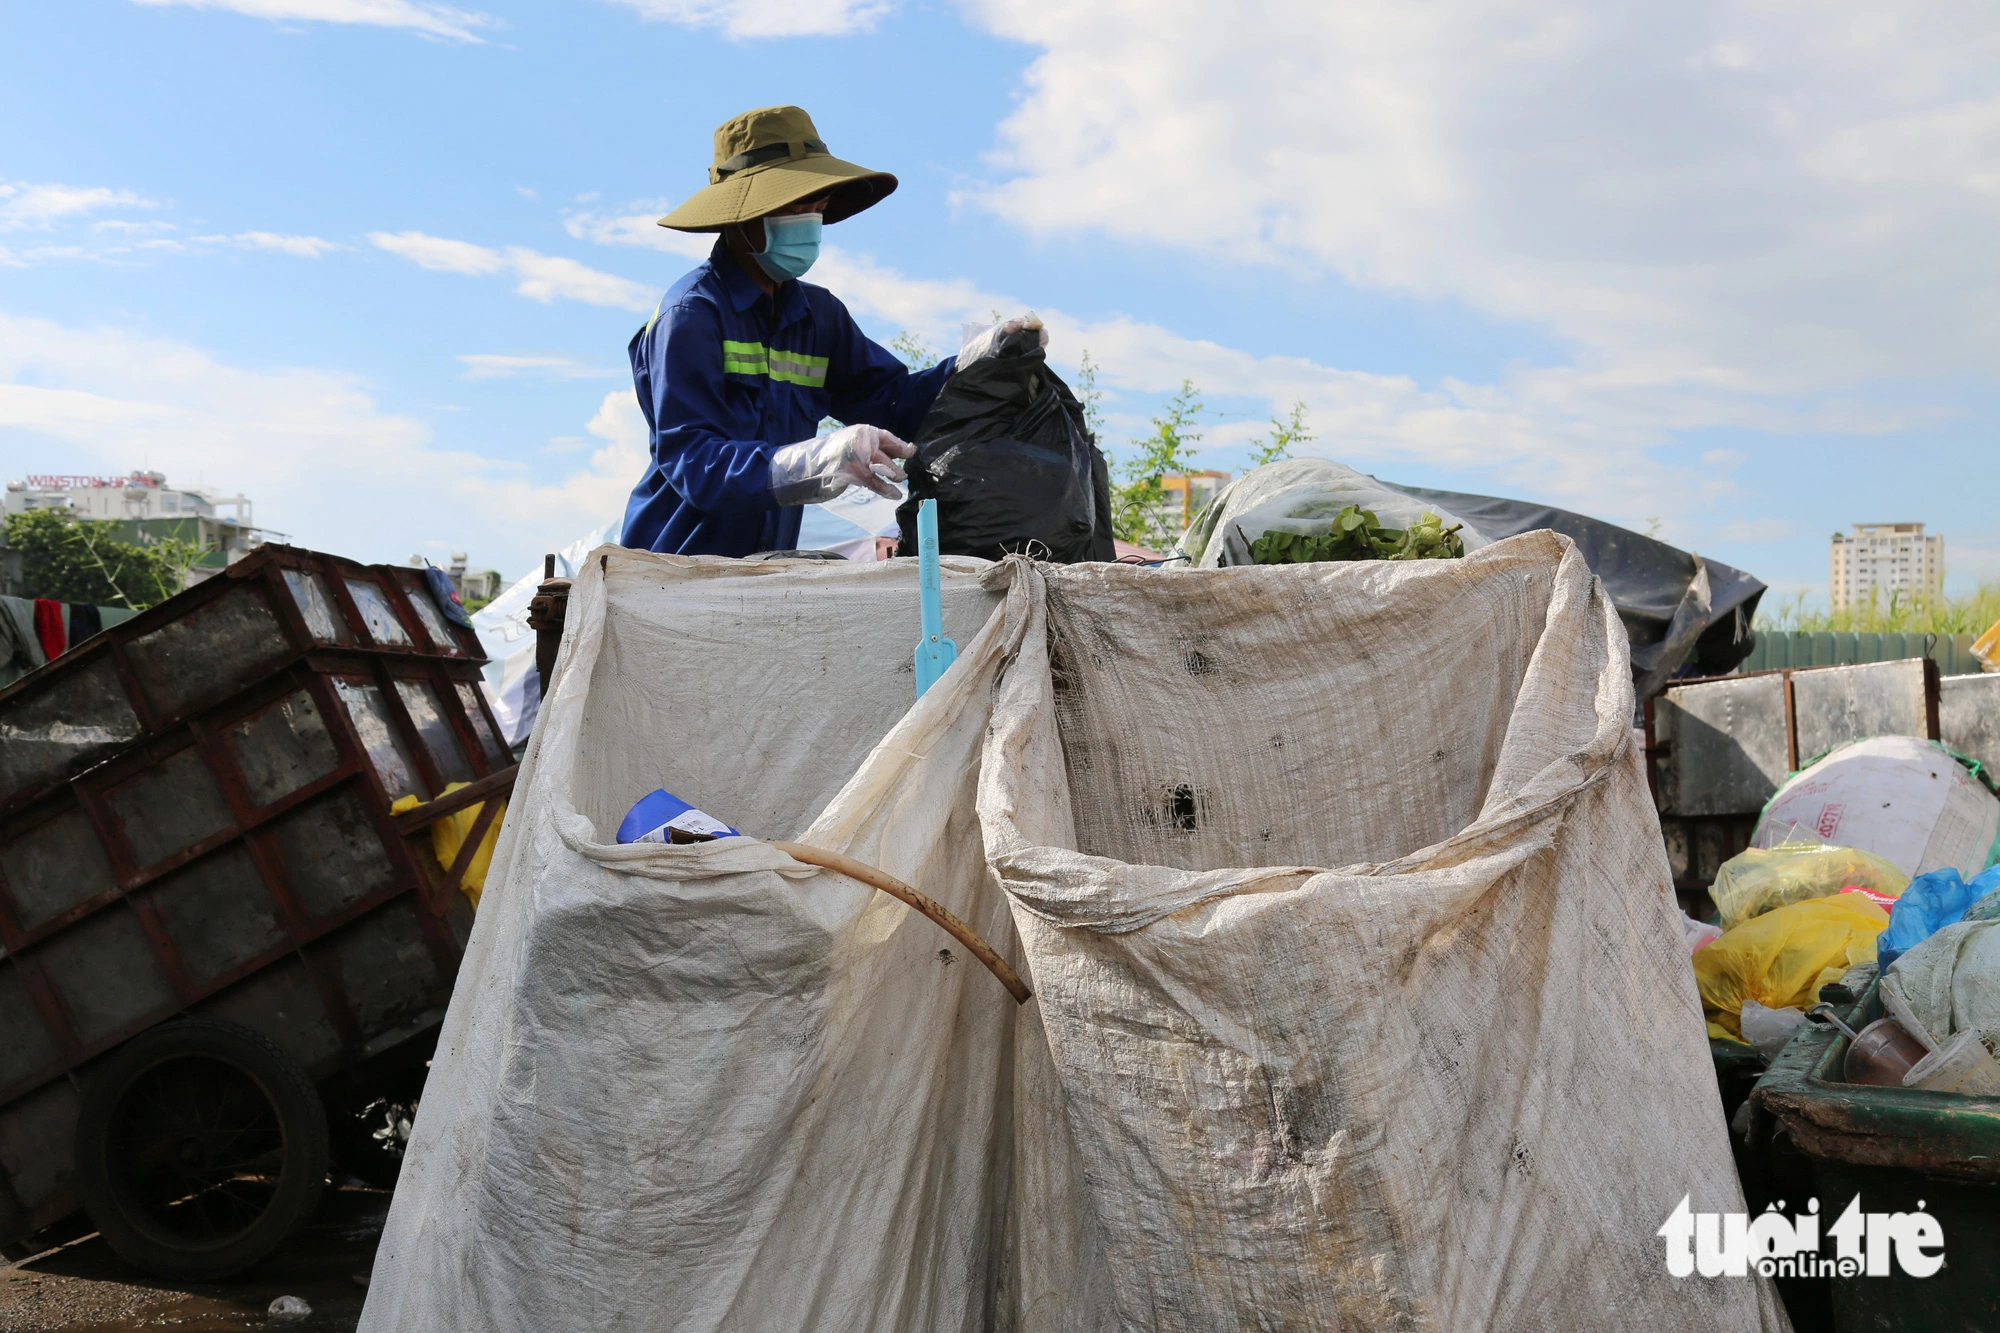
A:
<point x="1906" y="889"/>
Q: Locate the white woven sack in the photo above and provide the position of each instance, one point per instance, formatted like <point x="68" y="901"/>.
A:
<point x="1456" y="1082"/>
<point x="704" y="1087"/>
<point x="1904" y="799"/>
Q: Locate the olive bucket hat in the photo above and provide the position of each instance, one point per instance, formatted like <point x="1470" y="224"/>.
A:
<point x="770" y="157"/>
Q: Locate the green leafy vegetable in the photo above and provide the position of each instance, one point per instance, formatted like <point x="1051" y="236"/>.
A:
<point x="1356" y="534"/>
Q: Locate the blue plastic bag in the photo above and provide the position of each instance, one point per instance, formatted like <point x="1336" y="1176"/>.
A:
<point x="1931" y="903"/>
<point x="661" y="816"/>
<point x="447" y="596"/>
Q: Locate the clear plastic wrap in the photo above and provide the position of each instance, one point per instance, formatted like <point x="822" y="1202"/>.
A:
<point x="1756" y="881"/>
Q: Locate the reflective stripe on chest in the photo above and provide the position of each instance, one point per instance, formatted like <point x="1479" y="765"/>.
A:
<point x="786" y="367"/>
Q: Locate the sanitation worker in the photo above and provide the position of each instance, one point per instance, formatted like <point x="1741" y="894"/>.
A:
<point x="742" y="361"/>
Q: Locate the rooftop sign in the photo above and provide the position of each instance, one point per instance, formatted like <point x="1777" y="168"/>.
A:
<point x="81" y="483"/>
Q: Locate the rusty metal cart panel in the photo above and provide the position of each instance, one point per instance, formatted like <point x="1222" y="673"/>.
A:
<point x="195" y="820"/>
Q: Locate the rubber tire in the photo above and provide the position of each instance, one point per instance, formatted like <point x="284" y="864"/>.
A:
<point x="300" y="1115"/>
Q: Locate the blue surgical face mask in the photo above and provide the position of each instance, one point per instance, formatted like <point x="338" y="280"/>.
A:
<point x="791" y="244"/>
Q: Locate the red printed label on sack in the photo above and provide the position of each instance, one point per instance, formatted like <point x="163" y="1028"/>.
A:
<point x="1881" y="900"/>
<point x="1829" y="818"/>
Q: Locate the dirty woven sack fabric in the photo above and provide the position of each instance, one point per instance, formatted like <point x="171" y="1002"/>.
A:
<point x="705" y="1087"/>
<point x="1361" y="999"/>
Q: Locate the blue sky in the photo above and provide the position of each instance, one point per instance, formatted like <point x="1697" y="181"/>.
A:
<point x="1726" y="269"/>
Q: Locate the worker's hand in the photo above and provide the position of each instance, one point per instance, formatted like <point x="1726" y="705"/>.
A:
<point x="981" y="339"/>
<point x="813" y="471"/>
<point x="1031" y="320"/>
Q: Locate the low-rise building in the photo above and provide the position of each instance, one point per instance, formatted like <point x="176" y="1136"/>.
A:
<point x="147" y="510"/>
<point x="1189" y="493"/>
<point x="475" y="587"/>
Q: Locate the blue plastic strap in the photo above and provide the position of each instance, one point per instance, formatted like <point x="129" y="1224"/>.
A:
<point x="935" y="653"/>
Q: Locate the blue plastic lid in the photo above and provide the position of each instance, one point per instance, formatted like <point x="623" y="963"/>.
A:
<point x="658" y="812"/>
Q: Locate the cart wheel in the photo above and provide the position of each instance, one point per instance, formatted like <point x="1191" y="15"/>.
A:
<point x="201" y="1147"/>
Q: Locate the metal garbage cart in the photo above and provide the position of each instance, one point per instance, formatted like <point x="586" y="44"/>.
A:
<point x="1902" y="1150"/>
<point x="208" y="913"/>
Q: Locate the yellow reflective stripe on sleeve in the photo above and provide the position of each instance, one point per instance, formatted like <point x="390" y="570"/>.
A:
<point x="745" y="358"/>
<point x="799" y="368"/>
<point x="657" y="307"/>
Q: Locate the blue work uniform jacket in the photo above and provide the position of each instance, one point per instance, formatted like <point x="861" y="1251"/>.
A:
<point x="726" y="376"/>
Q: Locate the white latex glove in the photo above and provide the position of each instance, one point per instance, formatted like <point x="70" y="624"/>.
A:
<point x="813" y="471"/>
<point x="981" y="339"/>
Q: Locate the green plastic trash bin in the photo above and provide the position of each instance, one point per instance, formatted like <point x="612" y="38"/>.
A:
<point x="1902" y="1150"/>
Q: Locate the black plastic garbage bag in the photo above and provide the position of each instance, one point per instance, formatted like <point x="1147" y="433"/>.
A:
<point x="1686" y="615"/>
<point x="1005" y="454"/>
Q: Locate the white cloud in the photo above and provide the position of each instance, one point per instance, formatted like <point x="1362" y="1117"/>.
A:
<point x="439" y="254"/>
<point x="548" y="278"/>
<point x="324" y="462"/>
<point x="1577" y="438"/>
<point x="24" y="205"/>
<point x="930" y="306"/>
<point x="305" y="247"/>
<point x="498" y="365"/>
<point x="143" y="238"/>
<point x="544" y="278"/>
<point x="768" y="18"/>
<point x="431" y="19"/>
<point x="1749" y="199"/>
<point x="1584" y="437"/>
<point x="132" y="226"/>
<point x="639" y="228"/>
<point x="620" y="424"/>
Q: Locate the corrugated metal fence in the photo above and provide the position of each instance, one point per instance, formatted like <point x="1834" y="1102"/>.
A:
<point x="1953" y="652"/>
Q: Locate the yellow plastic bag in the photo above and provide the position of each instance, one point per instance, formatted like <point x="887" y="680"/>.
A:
<point x="449" y="834"/>
<point x="1761" y="879"/>
<point x="1782" y="958"/>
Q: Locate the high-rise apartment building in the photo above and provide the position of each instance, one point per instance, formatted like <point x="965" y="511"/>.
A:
<point x="1878" y="562"/>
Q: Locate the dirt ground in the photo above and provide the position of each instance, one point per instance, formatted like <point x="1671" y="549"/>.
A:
<point x="82" y="1287"/>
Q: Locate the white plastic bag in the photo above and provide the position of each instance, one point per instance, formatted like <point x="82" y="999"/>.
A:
<point x="1298" y="495"/>
<point x="1699" y="934"/>
<point x="1769" y="1029"/>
